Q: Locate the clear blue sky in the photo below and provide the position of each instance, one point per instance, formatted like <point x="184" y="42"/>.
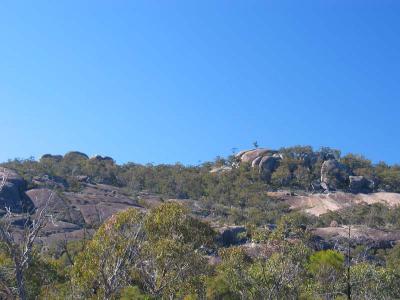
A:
<point x="167" y="81"/>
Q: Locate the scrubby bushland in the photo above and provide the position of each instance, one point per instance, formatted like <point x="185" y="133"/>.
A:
<point x="163" y="255"/>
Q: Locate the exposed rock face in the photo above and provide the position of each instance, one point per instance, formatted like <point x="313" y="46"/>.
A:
<point x="321" y="203"/>
<point x="12" y="195"/>
<point x="334" y="175"/>
<point x="359" y="184"/>
<point x="72" y="212"/>
<point x="97" y="202"/>
<point x="58" y="206"/>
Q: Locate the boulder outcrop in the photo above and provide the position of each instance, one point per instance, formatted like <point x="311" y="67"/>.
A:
<point x="268" y="164"/>
<point x="360" y="184"/>
<point x="265" y="160"/>
<point x="334" y="175"/>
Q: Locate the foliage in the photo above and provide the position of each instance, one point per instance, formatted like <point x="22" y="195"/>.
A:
<point x="374" y="282"/>
<point x="160" y="251"/>
<point x="327" y="272"/>
<point x="163" y="254"/>
<point x="104" y="266"/>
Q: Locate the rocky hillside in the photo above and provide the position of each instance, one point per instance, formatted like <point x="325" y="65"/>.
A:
<point x="255" y="186"/>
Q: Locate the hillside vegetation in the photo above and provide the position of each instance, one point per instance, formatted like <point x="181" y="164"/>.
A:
<point x="260" y="224"/>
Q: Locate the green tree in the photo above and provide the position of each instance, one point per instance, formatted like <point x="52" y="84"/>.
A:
<point x="373" y="282"/>
<point x="172" y="261"/>
<point x="105" y="264"/>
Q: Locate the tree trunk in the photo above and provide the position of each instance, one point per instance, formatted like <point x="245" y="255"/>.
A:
<point x="20" y="282"/>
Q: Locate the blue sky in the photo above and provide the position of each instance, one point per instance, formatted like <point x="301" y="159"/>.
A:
<point x="168" y="81"/>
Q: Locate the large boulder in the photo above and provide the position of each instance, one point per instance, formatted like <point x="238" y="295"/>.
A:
<point x="255" y="163"/>
<point x="75" y="155"/>
<point x="265" y="160"/>
<point x="334" y="175"/>
<point x="360" y="184"/>
<point x="250" y="155"/>
<point x="268" y="164"/>
<point x="12" y="194"/>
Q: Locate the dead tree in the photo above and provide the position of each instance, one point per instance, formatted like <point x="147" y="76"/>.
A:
<point x="20" y="246"/>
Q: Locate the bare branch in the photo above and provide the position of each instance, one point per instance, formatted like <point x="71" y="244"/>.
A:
<point x="3" y="179"/>
<point x="21" y="249"/>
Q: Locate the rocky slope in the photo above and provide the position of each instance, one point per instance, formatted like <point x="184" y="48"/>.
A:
<point x="70" y="212"/>
<point x="75" y="214"/>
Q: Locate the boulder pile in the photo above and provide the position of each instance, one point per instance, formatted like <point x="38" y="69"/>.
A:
<point x="267" y="161"/>
<point x="334" y="174"/>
